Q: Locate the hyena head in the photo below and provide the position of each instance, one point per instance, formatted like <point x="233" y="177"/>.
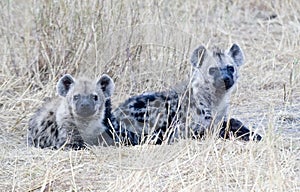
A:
<point x="85" y="98"/>
<point x="218" y="68"/>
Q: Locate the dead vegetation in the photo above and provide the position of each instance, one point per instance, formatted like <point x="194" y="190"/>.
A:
<point x="144" y="46"/>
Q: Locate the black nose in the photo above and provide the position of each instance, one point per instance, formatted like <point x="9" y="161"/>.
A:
<point x="85" y="105"/>
<point x="228" y="81"/>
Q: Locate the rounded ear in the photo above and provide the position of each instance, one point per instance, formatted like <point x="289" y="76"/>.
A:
<point x="198" y="56"/>
<point x="237" y="54"/>
<point x="106" y="84"/>
<point x="64" y="84"/>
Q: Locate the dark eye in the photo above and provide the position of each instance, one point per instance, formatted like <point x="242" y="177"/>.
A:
<point x="76" y="97"/>
<point x="95" y="97"/>
<point x="230" y="69"/>
<point x="213" y="70"/>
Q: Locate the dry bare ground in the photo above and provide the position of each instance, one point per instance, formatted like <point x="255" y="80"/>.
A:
<point x="144" y="46"/>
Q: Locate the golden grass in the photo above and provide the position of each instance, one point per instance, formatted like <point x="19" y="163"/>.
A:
<point x="145" y="46"/>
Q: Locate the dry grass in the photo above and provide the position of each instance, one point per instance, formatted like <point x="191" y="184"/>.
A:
<point x="146" y="46"/>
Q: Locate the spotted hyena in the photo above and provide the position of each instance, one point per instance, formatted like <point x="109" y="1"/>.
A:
<point x="80" y="115"/>
<point x="192" y="108"/>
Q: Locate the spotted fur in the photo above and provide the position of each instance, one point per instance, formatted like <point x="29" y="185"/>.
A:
<point x="80" y="115"/>
<point x="191" y="108"/>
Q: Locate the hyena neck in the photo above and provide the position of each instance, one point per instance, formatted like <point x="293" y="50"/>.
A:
<point x="211" y="98"/>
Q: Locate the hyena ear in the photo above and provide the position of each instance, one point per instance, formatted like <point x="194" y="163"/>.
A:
<point x="106" y="84"/>
<point x="237" y="54"/>
<point x="198" y="56"/>
<point x="64" y="84"/>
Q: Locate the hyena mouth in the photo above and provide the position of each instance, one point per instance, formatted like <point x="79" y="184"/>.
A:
<point x="224" y="83"/>
<point x="85" y="112"/>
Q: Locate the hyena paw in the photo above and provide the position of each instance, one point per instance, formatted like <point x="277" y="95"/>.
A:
<point x="236" y="128"/>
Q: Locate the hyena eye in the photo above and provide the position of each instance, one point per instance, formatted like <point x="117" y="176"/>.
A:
<point x="230" y="69"/>
<point x="95" y="97"/>
<point x="76" y="97"/>
<point x="213" y="70"/>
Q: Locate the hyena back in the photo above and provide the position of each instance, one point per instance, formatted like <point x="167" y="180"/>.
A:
<point x="80" y="115"/>
<point x="192" y="108"/>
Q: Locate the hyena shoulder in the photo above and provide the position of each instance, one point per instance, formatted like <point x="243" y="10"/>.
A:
<point x="43" y="129"/>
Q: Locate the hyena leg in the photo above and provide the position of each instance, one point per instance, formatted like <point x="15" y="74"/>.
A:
<point x="76" y="141"/>
<point x="238" y="129"/>
<point x="73" y="138"/>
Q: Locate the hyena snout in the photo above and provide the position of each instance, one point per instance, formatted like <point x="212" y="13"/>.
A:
<point x="223" y="77"/>
<point x="228" y="81"/>
<point x="85" y="107"/>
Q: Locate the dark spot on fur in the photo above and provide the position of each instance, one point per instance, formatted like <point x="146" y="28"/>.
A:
<point x="150" y="97"/>
<point x="207" y="117"/>
<point x="56" y="133"/>
<point x="139" y="104"/>
<point x="139" y="116"/>
<point x="200" y="112"/>
<point x="35" y="142"/>
<point x="163" y="127"/>
<point x="52" y="129"/>
<point x="51" y="113"/>
<point x="49" y="123"/>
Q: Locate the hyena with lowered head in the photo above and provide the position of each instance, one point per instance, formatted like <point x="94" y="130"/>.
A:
<point x="80" y="115"/>
<point x="194" y="107"/>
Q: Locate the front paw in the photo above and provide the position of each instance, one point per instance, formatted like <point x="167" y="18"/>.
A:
<point x="236" y="128"/>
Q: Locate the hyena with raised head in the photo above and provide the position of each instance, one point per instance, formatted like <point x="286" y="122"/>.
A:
<point x="193" y="107"/>
<point x="80" y="115"/>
